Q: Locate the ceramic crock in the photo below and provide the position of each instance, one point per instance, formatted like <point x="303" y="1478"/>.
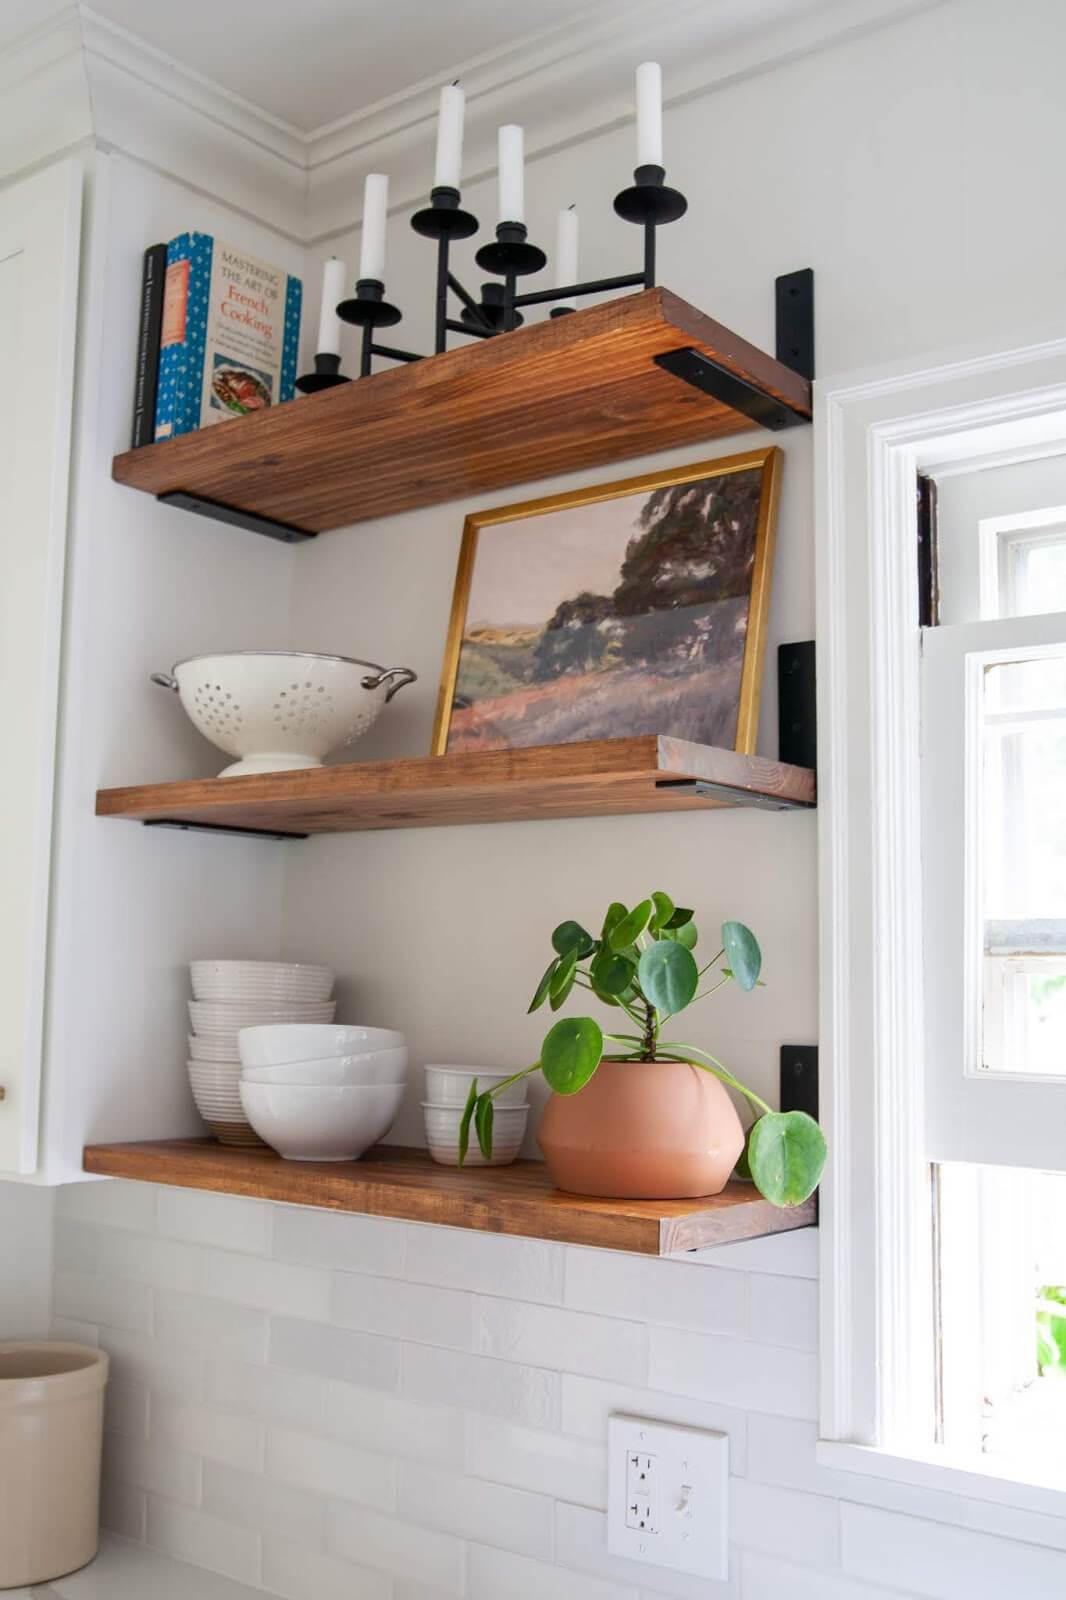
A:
<point x="643" y="1130"/>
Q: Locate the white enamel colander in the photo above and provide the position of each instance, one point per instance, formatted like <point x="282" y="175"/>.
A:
<point x="281" y="709"/>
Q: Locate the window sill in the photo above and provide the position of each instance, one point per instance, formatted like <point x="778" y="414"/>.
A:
<point x="974" y="1477"/>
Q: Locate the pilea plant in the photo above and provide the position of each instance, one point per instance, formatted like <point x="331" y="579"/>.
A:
<point x="643" y="967"/>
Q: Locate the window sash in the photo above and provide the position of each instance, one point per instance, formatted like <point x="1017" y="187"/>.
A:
<point x="974" y="1113"/>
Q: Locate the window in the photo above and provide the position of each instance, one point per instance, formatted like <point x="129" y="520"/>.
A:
<point x="942" y="812"/>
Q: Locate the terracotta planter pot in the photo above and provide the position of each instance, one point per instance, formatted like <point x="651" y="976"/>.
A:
<point x="643" y="1130"/>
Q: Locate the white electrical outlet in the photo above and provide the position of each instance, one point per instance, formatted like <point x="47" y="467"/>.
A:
<point x="667" y="1495"/>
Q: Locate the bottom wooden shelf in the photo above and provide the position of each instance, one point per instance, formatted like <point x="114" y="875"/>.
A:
<point x="391" y="1181"/>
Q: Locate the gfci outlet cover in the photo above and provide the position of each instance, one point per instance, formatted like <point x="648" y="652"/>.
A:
<point x="668" y="1495"/>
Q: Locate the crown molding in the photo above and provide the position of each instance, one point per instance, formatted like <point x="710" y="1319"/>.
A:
<point x="80" y="77"/>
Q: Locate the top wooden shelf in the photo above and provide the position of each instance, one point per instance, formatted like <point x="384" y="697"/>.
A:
<point x="573" y="392"/>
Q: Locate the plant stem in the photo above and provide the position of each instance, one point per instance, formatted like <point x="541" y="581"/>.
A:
<point x="516" y="1077"/>
<point x="719" y="1072"/>
<point x="651" y="1031"/>
<point x="710" y="963"/>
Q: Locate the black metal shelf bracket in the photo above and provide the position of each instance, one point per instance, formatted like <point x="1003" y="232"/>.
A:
<point x="794" y="303"/>
<point x="799" y="1078"/>
<point x="220" y="827"/>
<point x="234" y="517"/>
<point x="797" y="710"/>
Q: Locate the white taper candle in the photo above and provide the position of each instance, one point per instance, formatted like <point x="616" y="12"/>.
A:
<point x="566" y="252"/>
<point x="375" y="210"/>
<point x="334" y="283"/>
<point x="649" y="114"/>
<point x="512" y="184"/>
<point x="450" y="138"/>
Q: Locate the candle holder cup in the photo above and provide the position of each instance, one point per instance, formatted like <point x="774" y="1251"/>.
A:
<point x="327" y="374"/>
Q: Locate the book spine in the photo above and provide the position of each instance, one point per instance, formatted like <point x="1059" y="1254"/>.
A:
<point x="290" y="346"/>
<point x="147" y="369"/>
<point x="183" y="334"/>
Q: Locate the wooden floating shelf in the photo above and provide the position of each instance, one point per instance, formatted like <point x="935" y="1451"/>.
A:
<point x="575" y="391"/>
<point x="603" y="777"/>
<point x="391" y="1181"/>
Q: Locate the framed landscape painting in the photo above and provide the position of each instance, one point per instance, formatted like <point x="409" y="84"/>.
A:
<point x="629" y="608"/>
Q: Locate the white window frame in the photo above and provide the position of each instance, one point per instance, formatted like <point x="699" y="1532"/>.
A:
<point x="873" y="432"/>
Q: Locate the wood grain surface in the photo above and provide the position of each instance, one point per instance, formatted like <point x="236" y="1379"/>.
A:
<point x="392" y="1181"/>
<point x="573" y="392"/>
<point x="601" y="777"/>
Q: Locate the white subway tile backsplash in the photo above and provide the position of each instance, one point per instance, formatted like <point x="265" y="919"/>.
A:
<point x="269" y="1394"/>
<point x="478" y="1383"/>
<point x="254" y="1501"/>
<point x="940" y="1562"/>
<point x="224" y="1221"/>
<point x="298" y="1573"/>
<point x="94" y="1297"/>
<point x="329" y="1239"/>
<point x="608" y="1283"/>
<point x="531" y="1458"/>
<point x="784" y="1310"/>
<point x="587" y="1403"/>
<point x="792" y="1254"/>
<point x="782" y="1522"/>
<point x="735" y="1371"/>
<point x="385" y="1422"/>
<point x="397" y="1546"/>
<point x="564" y="1341"/>
<point x="123" y="1509"/>
<point x="499" y="1575"/>
<point x="126" y="1408"/>
<point x="360" y="1358"/>
<point x="138" y="1257"/>
<point x="764" y="1578"/>
<point x="162" y="1365"/>
<point x="145" y="1464"/>
<point x="455" y="1258"/>
<point x="114" y="1202"/>
<point x="581" y="1542"/>
<point x="472" y="1508"/>
<point x="212" y="1324"/>
<point x="72" y="1331"/>
<point x="331" y="1468"/>
<point x="270" y="1285"/>
<point x="404" y="1310"/>
<point x="204" y="1540"/>
<point x="207" y="1430"/>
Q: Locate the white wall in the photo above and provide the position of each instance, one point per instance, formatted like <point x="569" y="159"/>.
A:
<point x="964" y="499"/>
<point x="26" y="1214"/>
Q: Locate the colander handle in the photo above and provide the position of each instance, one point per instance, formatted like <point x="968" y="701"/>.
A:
<point x="401" y="675"/>
<point x="164" y="680"/>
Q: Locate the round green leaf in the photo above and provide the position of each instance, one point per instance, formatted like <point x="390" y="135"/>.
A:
<point x="664" y="910"/>
<point x="684" y="933"/>
<point x="464" y="1125"/>
<point x="571" y="1053"/>
<point x="542" y="987"/>
<point x="483" y="1118"/>
<point x="615" y="912"/>
<point x="786" y="1153"/>
<point x="631" y="926"/>
<point x="742" y="953"/>
<point x="571" y="936"/>
<point x="682" y="914"/>
<point x="668" y="975"/>
<point x="611" y="974"/>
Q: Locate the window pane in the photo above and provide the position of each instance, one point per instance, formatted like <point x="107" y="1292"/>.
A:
<point x="1023" y="865"/>
<point x="1036" y="575"/>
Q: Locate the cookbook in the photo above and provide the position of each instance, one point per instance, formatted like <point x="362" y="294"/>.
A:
<point x="229" y="336"/>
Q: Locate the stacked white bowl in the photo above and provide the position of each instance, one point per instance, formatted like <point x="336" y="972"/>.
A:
<point x="321" y="1093"/>
<point x="447" y="1088"/>
<point x="228" y="996"/>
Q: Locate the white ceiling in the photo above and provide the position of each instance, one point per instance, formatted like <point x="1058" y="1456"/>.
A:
<point x="311" y="62"/>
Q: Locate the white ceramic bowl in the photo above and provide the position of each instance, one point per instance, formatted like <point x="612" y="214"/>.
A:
<point x="442" y="1135"/>
<point x="372" y="1066"/>
<point x="281" y="709"/>
<point x="449" y="1086"/>
<point x="321" y="1122"/>
<point x="213" y="1049"/>
<point x="275" y="982"/>
<point x="217" y="1017"/>
<point x="278" y="1043"/>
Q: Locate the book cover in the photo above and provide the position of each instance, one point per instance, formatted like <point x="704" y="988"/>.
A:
<point x="228" y="344"/>
<point x="147" y="369"/>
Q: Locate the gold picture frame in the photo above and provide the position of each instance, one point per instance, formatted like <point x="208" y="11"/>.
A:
<point x="766" y="462"/>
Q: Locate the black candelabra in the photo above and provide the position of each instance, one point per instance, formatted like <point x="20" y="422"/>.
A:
<point x="648" y="202"/>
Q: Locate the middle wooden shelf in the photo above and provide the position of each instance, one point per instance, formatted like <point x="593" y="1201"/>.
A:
<point x="603" y="777"/>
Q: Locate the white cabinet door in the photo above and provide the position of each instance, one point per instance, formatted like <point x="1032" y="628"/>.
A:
<point x="39" y="228"/>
